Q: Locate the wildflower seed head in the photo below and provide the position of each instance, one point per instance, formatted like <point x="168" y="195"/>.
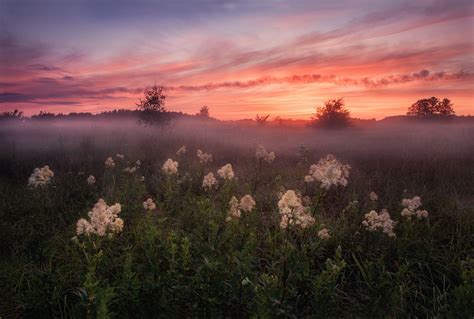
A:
<point x="109" y="162"/>
<point x="91" y="180"/>
<point x="293" y="212"/>
<point x="234" y="211"/>
<point x="323" y="234"/>
<point x="204" y="158"/>
<point x="247" y="203"/>
<point x="170" y="167"/>
<point x="262" y="154"/>
<point x="40" y="176"/>
<point x="209" y="181"/>
<point x="103" y="220"/>
<point x="226" y="172"/>
<point x="373" y="196"/>
<point x="181" y="151"/>
<point x="149" y="205"/>
<point x="329" y="171"/>
<point x="379" y="221"/>
<point x="411" y="208"/>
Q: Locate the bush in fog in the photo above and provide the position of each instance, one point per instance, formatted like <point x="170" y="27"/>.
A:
<point x="332" y="115"/>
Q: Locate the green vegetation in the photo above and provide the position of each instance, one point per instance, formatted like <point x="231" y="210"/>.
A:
<point x="186" y="259"/>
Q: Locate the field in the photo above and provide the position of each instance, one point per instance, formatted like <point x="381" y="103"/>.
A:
<point x="312" y="253"/>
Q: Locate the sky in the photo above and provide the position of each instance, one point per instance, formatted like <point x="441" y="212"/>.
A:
<point x="240" y="58"/>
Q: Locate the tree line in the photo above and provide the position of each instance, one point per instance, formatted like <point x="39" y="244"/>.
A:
<point x="151" y="110"/>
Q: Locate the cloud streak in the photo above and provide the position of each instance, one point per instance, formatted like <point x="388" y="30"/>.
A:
<point x="423" y="75"/>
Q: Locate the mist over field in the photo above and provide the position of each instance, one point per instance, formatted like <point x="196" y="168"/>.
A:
<point x="409" y="139"/>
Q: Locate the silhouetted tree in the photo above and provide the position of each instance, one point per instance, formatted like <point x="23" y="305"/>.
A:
<point x="152" y="107"/>
<point x="46" y="116"/>
<point x="332" y="115"/>
<point x="13" y="115"/>
<point x="262" y="120"/>
<point x="203" y="111"/>
<point x="431" y="107"/>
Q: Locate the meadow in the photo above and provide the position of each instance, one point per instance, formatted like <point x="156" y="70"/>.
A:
<point x="381" y="229"/>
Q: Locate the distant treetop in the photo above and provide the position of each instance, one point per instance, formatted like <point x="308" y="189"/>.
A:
<point x="431" y="107"/>
<point x="153" y="106"/>
<point x="332" y="115"/>
<point x="204" y="111"/>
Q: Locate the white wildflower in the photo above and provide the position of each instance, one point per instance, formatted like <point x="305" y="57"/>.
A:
<point x="103" y="220"/>
<point x="121" y="156"/>
<point x="379" y="221"/>
<point x="209" y="181"/>
<point x="181" y="151"/>
<point x="130" y="170"/>
<point x="234" y="211"/>
<point x="373" y="196"/>
<point x="149" y="204"/>
<point x="170" y="167"/>
<point x="91" y="180"/>
<point x="138" y="163"/>
<point x="329" y="171"/>
<point x="247" y="203"/>
<point x="411" y="208"/>
<point x="293" y="212"/>
<point x="40" y="176"/>
<point x="226" y="172"/>
<point x="262" y="154"/>
<point x="204" y="157"/>
<point x="421" y="214"/>
<point x="142" y="179"/>
<point x="323" y="234"/>
<point x="109" y="162"/>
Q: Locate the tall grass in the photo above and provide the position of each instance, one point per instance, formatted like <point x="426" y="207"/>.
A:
<point x="185" y="260"/>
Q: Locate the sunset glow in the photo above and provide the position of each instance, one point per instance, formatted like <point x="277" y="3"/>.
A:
<point x="241" y="58"/>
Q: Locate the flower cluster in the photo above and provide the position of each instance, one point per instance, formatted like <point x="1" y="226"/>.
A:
<point x="323" y="234"/>
<point x="40" y="176"/>
<point x="373" y="196"/>
<point x="261" y="153"/>
<point x="121" y="156"/>
<point x="328" y="171"/>
<point x="209" y="181"/>
<point x="130" y="170"/>
<point x="246" y="204"/>
<point x="234" y="211"/>
<point x="149" y="204"/>
<point x="133" y="169"/>
<point x="411" y="208"/>
<point x="226" y="172"/>
<point x="379" y="221"/>
<point x="109" y="162"/>
<point x="91" y="180"/>
<point x="182" y="150"/>
<point x="103" y="219"/>
<point x="170" y="167"/>
<point x="293" y="212"/>
<point x="204" y="157"/>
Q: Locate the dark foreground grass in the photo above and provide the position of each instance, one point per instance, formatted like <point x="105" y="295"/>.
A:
<point x="185" y="260"/>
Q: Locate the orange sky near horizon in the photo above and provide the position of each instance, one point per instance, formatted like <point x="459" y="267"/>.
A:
<point x="276" y="57"/>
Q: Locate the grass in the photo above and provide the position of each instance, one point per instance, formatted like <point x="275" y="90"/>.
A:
<point x="185" y="260"/>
